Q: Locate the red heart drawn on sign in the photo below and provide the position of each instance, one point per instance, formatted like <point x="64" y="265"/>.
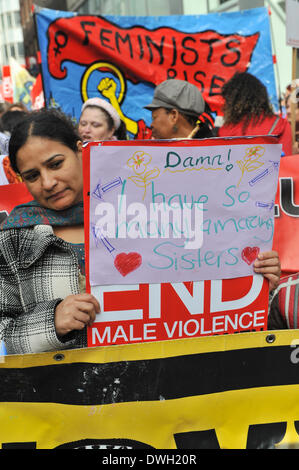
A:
<point x="125" y="263"/>
<point x="249" y="254"/>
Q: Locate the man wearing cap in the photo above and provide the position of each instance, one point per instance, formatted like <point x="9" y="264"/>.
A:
<point x="178" y="111"/>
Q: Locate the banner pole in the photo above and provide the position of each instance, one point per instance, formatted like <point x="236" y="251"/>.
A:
<point x="293" y="102"/>
<point x="34" y="13"/>
<point x="274" y="56"/>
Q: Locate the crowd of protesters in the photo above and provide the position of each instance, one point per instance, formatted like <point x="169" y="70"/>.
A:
<point x="43" y="303"/>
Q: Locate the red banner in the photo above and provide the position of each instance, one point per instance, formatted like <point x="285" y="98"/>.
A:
<point x="10" y="196"/>
<point x="151" y="56"/>
<point x="286" y="231"/>
<point x="37" y="94"/>
<point x="7" y="84"/>
<point x="181" y="310"/>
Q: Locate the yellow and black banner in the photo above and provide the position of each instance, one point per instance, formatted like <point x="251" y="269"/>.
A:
<point x="223" y="392"/>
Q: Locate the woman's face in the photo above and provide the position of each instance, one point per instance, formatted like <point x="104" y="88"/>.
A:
<point x="289" y="110"/>
<point x="52" y="172"/>
<point x="93" y="125"/>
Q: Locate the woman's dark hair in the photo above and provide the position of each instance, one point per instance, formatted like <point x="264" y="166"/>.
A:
<point x="48" y="123"/>
<point x="206" y="123"/>
<point x="121" y="132"/>
<point x="204" y="130"/>
<point x="19" y="105"/>
<point x="10" y="119"/>
<point x="246" y="100"/>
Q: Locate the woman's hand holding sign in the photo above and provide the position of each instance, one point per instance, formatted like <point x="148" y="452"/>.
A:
<point x="75" y="312"/>
<point x="268" y="264"/>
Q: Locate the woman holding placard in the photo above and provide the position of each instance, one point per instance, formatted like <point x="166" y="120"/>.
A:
<point x="43" y="303"/>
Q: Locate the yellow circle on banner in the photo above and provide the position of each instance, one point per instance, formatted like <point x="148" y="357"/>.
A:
<point x="97" y="66"/>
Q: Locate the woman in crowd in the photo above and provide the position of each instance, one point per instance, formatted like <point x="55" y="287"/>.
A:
<point x="43" y="304"/>
<point x="100" y="121"/>
<point x="247" y="111"/>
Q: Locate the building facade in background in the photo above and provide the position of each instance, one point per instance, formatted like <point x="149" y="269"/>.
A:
<point x="29" y="33"/>
<point x="11" y="34"/>
<point x="127" y="7"/>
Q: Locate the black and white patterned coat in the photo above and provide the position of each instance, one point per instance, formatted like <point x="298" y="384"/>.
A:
<point x="37" y="271"/>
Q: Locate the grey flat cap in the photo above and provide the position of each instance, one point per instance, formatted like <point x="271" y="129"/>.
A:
<point x="178" y="94"/>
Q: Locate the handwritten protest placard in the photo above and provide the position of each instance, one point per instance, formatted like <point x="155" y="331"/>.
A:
<point x="221" y="195"/>
<point x="180" y="211"/>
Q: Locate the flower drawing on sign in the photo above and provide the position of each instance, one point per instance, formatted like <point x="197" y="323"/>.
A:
<point x="142" y="174"/>
<point x="251" y="161"/>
